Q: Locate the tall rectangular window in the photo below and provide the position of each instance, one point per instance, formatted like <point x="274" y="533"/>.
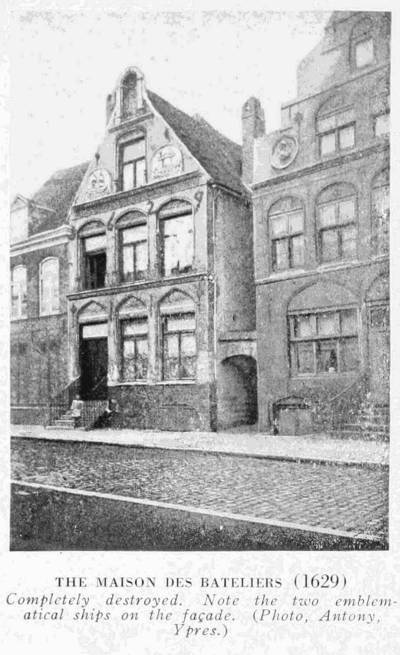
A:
<point x="179" y="347"/>
<point x="132" y="164"/>
<point x="337" y="230"/>
<point x="287" y="240"/>
<point x="95" y="261"/>
<point x="49" y="287"/>
<point x="134" y="349"/>
<point x="324" y="342"/>
<point x="134" y="255"/>
<point x="18" y="292"/>
<point x="364" y="51"/>
<point x="177" y="243"/>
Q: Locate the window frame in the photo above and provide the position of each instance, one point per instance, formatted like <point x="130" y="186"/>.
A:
<point x="337" y="227"/>
<point x="186" y="210"/>
<point x="287" y="238"/>
<point x="384" y="135"/>
<point x="363" y="39"/>
<point x="86" y="255"/>
<point x="179" y="333"/>
<point x="122" y="248"/>
<point x="132" y="338"/>
<point x="42" y="309"/>
<point x="316" y="339"/>
<point x="22" y="312"/>
<point x="336" y="131"/>
<point x="122" y="164"/>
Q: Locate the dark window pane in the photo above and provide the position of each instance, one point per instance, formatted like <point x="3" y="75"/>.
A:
<point x="349" y="355"/>
<point x="305" y="357"/>
<point x="327" y="356"/>
<point x="330" y="245"/>
<point x="379" y="317"/>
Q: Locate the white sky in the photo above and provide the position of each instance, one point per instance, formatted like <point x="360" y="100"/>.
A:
<point x="63" y="63"/>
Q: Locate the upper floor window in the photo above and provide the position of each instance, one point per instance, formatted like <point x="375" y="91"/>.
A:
<point x="176" y="238"/>
<point x="133" y="247"/>
<point x="362" y="44"/>
<point x="128" y="99"/>
<point x="286" y="225"/>
<point x="336" y="217"/>
<point x="335" y="127"/>
<point x="132" y="159"/>
<point x="134" y="350"/>
<point x="382" y="124"/>
<point x="381" y="213"/>
<point x="18" y="292"/>
<point x="94" y="260"/>
<point x="49" y="286"/>
<point x="324" y="342"/>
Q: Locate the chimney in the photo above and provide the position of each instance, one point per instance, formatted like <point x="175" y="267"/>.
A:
<point x="110" y="104"/>
<point x="253" y="126"/>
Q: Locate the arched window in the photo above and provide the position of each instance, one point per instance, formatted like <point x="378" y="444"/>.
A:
<point x="176" y="238"/>
<point x="133" y="323"/>
<point x="49" y="286"/>
<point x="335" y="126"/>
<point x="381" y="213"/>
<point x="18" y="292"/>
<point x="362" y="44"/>
<point x="323" y="331"/>
<point x="133" y="247"/>
<point x="286" y="225"/>
<point x="178" y="334"/>
<point x="337" y="223"/>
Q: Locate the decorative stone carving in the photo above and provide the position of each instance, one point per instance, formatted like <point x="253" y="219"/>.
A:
<point x="99" y="184"/>
<point x="284" y="151"/>
<point x="167" y="162"/>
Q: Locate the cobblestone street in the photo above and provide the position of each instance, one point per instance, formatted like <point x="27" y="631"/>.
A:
<point x="347" y="498"/>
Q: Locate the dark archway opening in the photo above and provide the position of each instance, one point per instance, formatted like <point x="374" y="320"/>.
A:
<point x="237" y="392"/>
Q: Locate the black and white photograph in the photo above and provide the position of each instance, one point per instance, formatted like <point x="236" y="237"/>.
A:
<point x="199" y="275"/>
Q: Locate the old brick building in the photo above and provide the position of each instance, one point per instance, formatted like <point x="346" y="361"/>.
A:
<point x="161" y="309"/>
<point x="39" y="284"/>
<point x="321" y="229"/>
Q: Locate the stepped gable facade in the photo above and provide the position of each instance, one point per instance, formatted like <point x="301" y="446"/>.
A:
<point x="320" y="188"/>
<point x="161" y="310"/>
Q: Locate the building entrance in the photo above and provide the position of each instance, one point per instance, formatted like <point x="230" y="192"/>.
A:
<point x="93" y="355"/>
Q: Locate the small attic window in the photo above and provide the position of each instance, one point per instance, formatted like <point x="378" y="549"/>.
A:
<point x="362" y="50"/>
<point x="129" y="95"/>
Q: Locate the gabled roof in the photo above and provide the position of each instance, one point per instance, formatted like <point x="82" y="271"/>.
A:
<point x="55" y="197"/>
<point x="219" y="156"/>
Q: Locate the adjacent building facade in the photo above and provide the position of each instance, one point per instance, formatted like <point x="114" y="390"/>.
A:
<point x="320" y="188"/>
<point x="39" y="275"/>
<point x="198" y="284"/>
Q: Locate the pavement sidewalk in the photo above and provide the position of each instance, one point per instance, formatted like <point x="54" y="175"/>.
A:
<point x="317" y="448"/>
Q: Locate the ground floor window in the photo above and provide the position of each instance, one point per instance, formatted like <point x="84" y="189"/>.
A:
<point x="134" y="349"/>
<point x="178" y="347"/>
<point x="324" y="342"/>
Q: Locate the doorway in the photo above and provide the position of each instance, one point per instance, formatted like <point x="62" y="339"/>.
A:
<point x="237" y="392"/>
<point x="93" y="355"/>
